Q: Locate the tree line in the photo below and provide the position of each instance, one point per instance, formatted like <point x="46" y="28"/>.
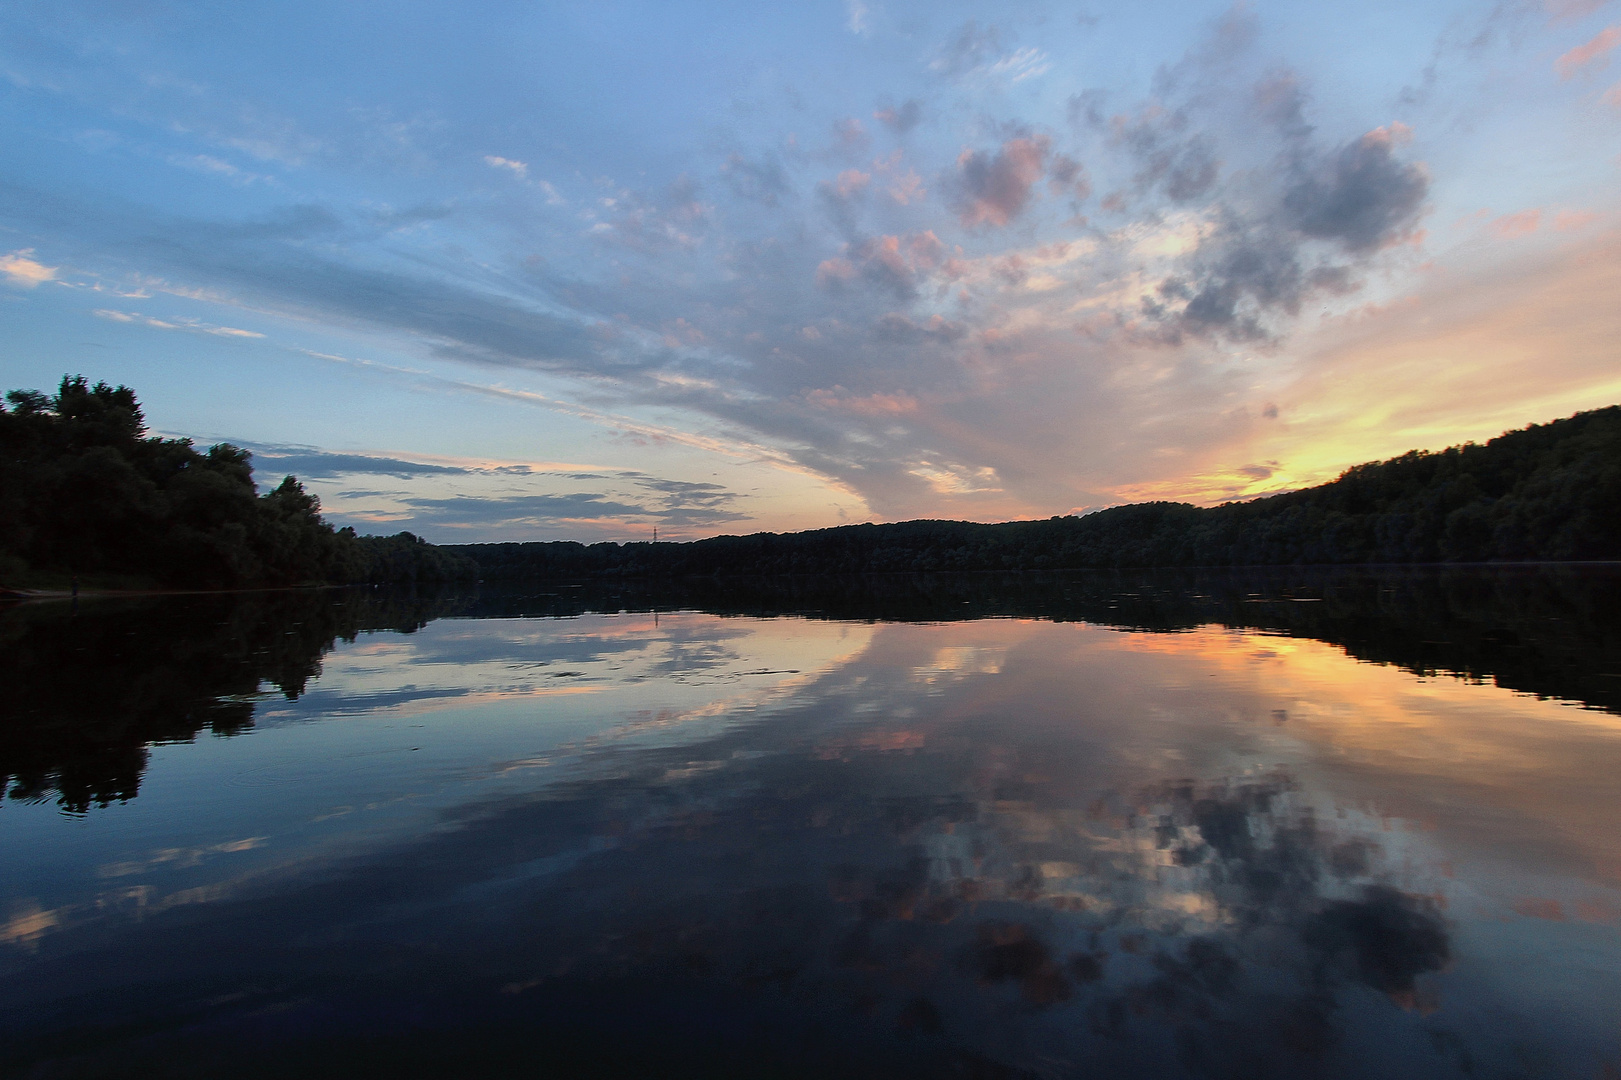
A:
<point x="1546" y="492"/>
<point x="86" y="492"/>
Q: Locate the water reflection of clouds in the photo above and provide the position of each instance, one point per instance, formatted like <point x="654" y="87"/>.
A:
<point x="463" y="664"/>
<point x="999" y="849"/>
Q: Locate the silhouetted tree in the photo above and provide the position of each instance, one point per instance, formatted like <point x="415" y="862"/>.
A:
<point x="84" y="490"/>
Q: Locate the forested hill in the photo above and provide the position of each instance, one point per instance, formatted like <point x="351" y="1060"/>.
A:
<point x="1549" y="491"/>
<point x="85" y="492"/>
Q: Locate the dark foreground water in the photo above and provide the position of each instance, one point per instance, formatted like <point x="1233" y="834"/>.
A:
<point x="1362" y="824"/>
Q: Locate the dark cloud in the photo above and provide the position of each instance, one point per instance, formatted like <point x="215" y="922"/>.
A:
<point x="676" y="220"/>
<point x="842" y="196"/>
<point x="849" y="137"/>
<point x="322" y="465"/>
<point x="1182" y="164"/>
<point x="894" y="326"/>
<point x="764" y="181"/>
<point x="895" y="262"/>
<point x="900" y="118"/>
<point x="467" y="510"/>
<point x="264" y="261"/>
<point x="996" y="187"/>
<point x="970" y="48"/>
<point x="1281" y="101"/>
<point x="1086" y="109"/>
<point x="1068" y="176"/>
<point x="1262" y="255"/>
<point x="682" y="503"/>
<point x="1237" y="278"/>
<point x="1360" y="196"/>
<point x="297" y="222"/>
<point x="847" y="289"/>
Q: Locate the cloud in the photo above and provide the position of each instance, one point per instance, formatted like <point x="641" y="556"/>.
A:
<point x="23" y="270"/>
<point x="1523" y="223"/>
<point x="839" y="399"/>
<point x="1592" y="52"/>
<point x="1361" y="195"/>
<point x="1184" y="166"/>
<point x="676" y="219"/>
<point x="1020" y="65"/>
<point x="986" y="353"/>
<point x="518" y="167"/>
<point x="996" y="187"/>
<point x="764" y="181"/>
<point x="1562" y="10"/>
<point x="207" y="163"/>
<point x="970" y="49"/>
<point x="681" y="508"/>
<point x="311" y="463"/>
<point x="976" y="52"/>
<point x="1572" y="220"/>
<point x="899" y="262"/>
<point x="894" y="326"/>
<point x="848" y="184"/>
<point x="858" y="17"/>
<point x="900" y="118"/>
<point x="188" y="325"/>
<point x="1255" y="260"/>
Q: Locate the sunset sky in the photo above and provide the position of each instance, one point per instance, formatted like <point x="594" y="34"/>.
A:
<point x="541" y="271"/>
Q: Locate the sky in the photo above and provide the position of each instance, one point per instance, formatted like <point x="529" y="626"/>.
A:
<point x="537" y="271"/>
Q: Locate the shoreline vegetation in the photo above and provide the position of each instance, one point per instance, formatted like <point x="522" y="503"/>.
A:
<point x="88" y="499"/>
<point x="1546" y="493"/>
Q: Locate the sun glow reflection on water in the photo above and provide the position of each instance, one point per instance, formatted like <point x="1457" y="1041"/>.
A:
<point x="1058" y="847"/>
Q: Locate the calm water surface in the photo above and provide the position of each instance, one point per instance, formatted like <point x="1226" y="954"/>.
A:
<point x="1343" y="825"/>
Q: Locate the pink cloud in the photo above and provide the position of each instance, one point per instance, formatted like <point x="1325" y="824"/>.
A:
<point x="1582" y="55"/>
<point x="897" y="261"/>
<point x="998" y="186"/>
<point x="840" y="400"/>
<point x="850" y="135"/>
<point x="1561" y="10"/>
<point x="1612" y="96"/>
<point x="851" y="182"/>
<point x="1571" y="220"/>
<point x="835" y="271"/>
<point x="1523" y="223"/>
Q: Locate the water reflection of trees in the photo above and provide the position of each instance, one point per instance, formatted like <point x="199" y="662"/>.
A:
<point x="89" y="689"/>
<point x="1546" y="629"/>
<point x="812" y="898"/>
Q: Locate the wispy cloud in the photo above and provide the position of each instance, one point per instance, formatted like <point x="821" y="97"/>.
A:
<point x="976" y="52"/>
<point x="857" y="17"/>
<point x="194" y="326"/>
<point x="1594" y="52"/>
<point x="518" y="167"/>
<point x="921" y="268"/>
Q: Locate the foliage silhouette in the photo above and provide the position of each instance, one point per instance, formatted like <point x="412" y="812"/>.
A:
<point x="85" y="491"/>
<point x="1546" y="492"/>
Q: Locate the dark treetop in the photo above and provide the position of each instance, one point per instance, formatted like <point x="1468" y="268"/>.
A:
<point x="85" y="491"/>
<point x="1546" y="492"/>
